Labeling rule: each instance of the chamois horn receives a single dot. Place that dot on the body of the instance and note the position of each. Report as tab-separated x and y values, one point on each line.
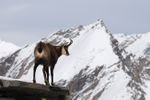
66	44
71	41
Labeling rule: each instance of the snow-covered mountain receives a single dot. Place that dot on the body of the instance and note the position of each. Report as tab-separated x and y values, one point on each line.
7	48
101	66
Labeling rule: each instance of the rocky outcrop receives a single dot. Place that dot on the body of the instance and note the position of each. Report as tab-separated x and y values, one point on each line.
17	90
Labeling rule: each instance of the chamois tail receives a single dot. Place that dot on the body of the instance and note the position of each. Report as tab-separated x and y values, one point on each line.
39	51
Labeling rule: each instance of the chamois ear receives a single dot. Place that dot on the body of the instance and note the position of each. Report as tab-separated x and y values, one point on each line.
65	44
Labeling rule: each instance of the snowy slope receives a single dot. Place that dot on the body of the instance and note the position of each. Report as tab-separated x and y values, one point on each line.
92	48
7	48
101	66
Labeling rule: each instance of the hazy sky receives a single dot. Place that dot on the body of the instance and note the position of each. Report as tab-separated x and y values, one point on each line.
26	21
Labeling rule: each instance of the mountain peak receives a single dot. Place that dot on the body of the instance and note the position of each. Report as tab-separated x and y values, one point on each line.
7	48
99	24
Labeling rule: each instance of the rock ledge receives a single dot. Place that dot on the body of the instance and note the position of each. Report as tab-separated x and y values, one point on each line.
18	90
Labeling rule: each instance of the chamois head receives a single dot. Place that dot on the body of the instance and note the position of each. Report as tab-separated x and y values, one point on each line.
64	49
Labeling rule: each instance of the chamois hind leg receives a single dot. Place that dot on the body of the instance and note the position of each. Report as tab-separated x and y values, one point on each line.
45	77
47	71
52	80
34	72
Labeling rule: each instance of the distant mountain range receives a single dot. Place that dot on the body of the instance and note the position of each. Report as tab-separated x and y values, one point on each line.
101	65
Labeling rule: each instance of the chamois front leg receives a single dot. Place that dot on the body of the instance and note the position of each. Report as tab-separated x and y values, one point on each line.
34	72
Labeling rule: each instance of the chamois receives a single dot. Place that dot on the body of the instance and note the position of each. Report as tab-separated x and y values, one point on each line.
47	55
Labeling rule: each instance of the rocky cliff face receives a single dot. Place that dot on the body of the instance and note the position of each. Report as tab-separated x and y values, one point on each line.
101	66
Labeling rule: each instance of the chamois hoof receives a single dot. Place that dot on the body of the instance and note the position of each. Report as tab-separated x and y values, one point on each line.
52	84
47	84
34	81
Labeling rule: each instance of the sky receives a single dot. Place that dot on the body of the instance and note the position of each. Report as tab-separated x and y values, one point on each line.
26	21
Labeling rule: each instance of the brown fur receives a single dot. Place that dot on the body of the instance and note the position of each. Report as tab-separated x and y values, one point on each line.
47	55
